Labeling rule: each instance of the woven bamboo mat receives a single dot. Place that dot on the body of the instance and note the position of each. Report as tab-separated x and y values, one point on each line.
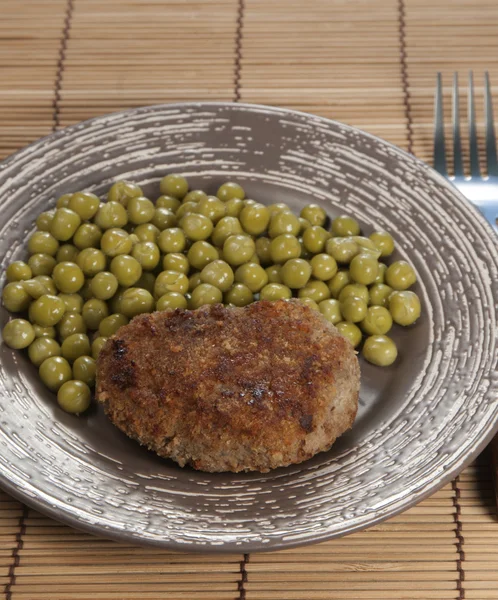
368	63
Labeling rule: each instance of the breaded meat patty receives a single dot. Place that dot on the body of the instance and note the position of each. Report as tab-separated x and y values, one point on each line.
231	389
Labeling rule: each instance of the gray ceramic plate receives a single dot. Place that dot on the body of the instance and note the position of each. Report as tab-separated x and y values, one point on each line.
420	421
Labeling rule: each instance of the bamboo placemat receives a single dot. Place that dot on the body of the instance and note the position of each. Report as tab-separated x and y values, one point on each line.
370	64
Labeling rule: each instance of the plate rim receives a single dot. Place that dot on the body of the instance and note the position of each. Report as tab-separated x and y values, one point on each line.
125	536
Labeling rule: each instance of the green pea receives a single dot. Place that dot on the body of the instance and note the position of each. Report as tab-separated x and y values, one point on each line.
203	294
74	397
357	290
338	282
316	290
43	242
363	269
353	309
42	348
195	196
171	300
275	291
91	261
343	250
164	219
147	281
86	292
74	346
273	272
47	311
314	214
140	210
196	227
122	191
309	303
109	325
380	350
351	332
344	226
37	286
219	274
230	190
175	261
200	254
331	310
63	201
400	275
126	269
172	240
263	250
97	346
67	253
64	224
44	220
170	281
193	281
404	307
104	285
185	209
211	207
68	277
136	301
276	208
94	311
18	334
239	295
115	242
147	232
54	372
233	207
172	204
174	185
383	241
381	275
111	215
41	264
255	219
85	369
366	246
225	227
238	249
323	267
70	324
15	297
252	275
84	204
88	235
304	224
284	247
18	271
315	238
147	254
48	332
377	321
379	294
295	273
283	222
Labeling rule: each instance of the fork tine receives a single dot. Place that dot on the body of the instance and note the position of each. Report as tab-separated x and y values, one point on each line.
439	146
474	152
457	138
490	130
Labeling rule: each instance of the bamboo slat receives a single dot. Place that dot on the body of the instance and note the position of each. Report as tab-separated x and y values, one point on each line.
370	64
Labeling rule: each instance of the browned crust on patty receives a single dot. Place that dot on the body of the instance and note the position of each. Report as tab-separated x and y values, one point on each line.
231	389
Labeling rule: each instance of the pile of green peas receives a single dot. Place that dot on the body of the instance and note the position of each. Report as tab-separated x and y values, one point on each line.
93	266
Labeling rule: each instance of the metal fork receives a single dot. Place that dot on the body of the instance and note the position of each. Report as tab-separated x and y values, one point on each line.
481	191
